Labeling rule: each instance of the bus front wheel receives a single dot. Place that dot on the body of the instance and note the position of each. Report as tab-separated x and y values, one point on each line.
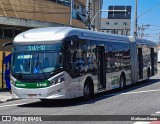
88	91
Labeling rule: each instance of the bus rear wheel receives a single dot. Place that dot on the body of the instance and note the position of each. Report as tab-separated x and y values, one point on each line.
88	91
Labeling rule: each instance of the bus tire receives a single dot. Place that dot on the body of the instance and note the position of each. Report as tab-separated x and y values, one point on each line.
122	82
88	91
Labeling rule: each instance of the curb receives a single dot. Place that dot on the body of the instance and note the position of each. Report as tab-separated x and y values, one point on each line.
7	100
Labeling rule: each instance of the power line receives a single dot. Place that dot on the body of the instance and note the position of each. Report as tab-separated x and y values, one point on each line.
153	29
155	25
149	10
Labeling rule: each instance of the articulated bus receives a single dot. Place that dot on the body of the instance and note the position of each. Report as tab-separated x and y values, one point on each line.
65	62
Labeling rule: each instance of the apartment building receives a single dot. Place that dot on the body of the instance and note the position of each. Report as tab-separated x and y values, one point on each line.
118	22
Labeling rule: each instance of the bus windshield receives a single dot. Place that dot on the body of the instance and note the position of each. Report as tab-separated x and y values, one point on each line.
36	62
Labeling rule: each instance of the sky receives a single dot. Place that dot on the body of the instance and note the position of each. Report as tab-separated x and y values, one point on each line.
148	13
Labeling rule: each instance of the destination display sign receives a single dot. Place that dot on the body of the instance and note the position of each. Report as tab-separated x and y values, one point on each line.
37	47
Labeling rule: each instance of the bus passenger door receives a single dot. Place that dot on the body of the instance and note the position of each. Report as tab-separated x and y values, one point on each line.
152	61
140	61
101	67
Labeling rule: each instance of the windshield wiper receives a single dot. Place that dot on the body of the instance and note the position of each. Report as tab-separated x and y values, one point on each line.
36	69
37	61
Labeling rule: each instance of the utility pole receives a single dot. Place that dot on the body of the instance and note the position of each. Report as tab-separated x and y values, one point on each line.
89	15
71	9
135	19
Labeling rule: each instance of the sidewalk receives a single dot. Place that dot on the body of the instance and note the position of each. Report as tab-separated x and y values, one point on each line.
5	95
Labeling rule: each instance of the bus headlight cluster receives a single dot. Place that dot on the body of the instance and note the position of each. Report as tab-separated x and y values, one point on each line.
12	80
57	80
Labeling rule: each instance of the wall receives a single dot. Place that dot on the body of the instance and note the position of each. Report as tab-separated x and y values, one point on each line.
41	10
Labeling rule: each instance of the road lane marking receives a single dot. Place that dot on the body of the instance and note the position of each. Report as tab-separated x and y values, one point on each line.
144	91
158	112
128	93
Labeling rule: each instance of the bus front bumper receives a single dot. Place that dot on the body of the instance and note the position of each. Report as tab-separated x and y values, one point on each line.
52	92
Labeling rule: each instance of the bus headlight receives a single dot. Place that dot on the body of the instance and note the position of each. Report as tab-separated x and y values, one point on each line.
12	80
57	80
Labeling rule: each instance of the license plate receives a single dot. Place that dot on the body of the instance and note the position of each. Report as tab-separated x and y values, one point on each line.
32	95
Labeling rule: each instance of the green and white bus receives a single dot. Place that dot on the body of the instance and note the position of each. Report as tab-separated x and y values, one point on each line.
65	62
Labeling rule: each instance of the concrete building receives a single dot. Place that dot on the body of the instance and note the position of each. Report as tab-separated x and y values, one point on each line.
117	22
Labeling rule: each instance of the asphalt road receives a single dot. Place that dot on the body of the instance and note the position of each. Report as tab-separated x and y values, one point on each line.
140	99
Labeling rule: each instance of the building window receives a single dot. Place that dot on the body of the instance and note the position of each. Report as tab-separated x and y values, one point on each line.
124	23
121	32
16	32
126	33
115	23
8	33
1	33
78	8
64	2
113	31
107	23
78	11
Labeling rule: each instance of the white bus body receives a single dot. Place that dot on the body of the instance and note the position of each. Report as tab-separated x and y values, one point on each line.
81	62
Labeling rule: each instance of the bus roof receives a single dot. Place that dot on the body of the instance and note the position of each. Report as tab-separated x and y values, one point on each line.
59	33
141	41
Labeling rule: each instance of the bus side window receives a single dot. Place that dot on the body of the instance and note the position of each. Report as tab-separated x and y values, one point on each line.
118	56
70	55
110	58
126	57
79	56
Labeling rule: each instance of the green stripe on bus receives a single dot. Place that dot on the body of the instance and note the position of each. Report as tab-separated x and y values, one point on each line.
32	85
